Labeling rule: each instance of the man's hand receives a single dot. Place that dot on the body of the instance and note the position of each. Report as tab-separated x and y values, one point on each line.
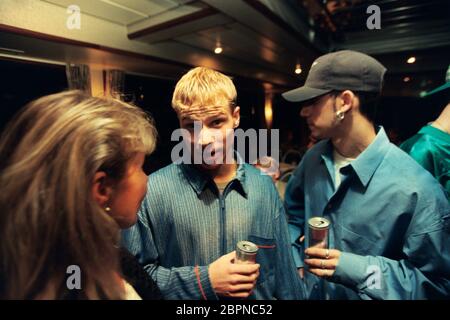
322	262
233	280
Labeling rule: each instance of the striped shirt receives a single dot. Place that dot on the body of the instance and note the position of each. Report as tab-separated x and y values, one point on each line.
185	224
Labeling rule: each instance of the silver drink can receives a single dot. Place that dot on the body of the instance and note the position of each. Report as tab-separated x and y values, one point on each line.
246	252
318	228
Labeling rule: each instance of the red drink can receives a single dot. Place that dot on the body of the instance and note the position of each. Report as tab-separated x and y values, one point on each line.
318	230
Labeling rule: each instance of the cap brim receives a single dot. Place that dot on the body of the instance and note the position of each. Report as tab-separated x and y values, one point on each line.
303	93
438	89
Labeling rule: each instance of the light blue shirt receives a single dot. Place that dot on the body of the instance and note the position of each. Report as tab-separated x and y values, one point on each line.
389	217
185	224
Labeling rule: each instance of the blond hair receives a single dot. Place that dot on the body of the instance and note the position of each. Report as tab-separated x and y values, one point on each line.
202	87
49	220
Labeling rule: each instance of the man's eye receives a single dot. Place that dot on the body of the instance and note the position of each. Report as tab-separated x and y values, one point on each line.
217	122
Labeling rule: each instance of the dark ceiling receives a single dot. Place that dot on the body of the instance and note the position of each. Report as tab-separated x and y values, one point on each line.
409	28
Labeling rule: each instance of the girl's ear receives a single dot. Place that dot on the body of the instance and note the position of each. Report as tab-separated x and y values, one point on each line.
101	192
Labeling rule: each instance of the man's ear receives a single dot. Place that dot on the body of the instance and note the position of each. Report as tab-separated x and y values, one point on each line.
236	116
346	101
100	190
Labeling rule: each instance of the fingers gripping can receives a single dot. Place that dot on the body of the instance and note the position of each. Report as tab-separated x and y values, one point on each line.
246	252
318	228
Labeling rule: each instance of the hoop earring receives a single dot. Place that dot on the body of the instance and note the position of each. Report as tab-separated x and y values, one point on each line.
340	115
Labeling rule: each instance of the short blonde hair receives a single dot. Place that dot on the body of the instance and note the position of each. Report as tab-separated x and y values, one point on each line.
49	219
202	87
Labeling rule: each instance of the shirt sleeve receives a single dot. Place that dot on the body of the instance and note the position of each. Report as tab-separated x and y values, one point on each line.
186	282
289	286
294	201
422	273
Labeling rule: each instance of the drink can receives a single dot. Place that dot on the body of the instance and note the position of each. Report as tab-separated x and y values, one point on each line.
318	228
246	252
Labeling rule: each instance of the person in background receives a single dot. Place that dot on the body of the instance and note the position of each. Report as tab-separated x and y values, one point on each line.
430	147
70	178
269	166
389	218
195	212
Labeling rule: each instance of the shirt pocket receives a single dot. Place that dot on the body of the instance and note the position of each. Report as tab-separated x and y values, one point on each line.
266	258
357	244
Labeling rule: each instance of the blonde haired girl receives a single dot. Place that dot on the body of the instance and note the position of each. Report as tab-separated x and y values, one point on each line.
70	177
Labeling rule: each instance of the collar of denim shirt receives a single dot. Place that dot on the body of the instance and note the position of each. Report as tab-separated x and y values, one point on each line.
199	180
367	162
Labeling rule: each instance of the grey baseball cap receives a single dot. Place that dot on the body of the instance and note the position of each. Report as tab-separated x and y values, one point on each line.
341	70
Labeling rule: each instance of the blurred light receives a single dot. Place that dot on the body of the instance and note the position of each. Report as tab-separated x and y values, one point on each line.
298	69
422	94
411	60
218	49
268	112
406	79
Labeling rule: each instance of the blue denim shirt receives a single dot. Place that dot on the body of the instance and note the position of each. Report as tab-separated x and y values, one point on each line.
185	224
389	217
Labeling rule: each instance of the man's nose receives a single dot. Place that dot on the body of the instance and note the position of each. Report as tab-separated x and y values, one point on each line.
205	137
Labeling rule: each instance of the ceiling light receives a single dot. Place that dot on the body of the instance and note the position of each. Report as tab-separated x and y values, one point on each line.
298	69
406	79
218	49
411	60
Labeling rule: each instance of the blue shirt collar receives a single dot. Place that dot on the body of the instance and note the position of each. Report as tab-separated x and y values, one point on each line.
368	161
199	179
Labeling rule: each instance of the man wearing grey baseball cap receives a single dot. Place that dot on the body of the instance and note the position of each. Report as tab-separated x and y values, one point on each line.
389	218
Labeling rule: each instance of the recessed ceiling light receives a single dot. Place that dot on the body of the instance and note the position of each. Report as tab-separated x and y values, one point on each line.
218	49
298	69
411	60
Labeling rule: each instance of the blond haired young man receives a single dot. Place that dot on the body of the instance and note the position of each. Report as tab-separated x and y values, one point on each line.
194	214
